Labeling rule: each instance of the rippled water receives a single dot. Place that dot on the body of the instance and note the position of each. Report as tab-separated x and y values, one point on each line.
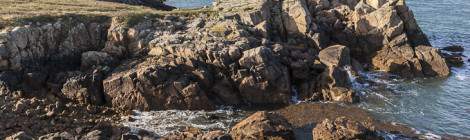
440	106
189	3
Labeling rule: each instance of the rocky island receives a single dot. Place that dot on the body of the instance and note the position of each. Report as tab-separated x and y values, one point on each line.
76	76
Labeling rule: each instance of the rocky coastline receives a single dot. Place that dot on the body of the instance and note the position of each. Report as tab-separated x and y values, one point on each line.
71	78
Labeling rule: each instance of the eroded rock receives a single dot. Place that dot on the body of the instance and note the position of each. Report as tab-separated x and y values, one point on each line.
263	125
263	80
342	128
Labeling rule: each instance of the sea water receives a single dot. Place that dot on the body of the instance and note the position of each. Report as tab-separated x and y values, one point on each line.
439	106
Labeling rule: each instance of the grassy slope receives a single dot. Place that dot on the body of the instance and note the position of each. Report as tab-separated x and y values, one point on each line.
12	11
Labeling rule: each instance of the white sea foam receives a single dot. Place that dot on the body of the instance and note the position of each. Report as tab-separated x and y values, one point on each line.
295	96
431	136
461	77
164	122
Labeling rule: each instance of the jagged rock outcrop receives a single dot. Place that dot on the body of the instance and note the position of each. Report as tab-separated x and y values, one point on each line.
248	53
393	31
263	125
432	62
342	128
54	44
263	79
150	86
336	82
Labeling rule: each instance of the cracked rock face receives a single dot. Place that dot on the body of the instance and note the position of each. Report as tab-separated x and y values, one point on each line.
250	53
263	125
342	128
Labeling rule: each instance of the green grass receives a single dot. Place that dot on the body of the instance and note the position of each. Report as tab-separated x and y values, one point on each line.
15	12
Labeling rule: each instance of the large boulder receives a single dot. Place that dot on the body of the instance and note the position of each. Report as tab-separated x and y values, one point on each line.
342	128
296	17
398	60
95	58
263	125
408	62
148	86
335	56
262	78
432	62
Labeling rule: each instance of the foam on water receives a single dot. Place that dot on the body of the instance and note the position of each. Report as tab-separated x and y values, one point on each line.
164	122
461	77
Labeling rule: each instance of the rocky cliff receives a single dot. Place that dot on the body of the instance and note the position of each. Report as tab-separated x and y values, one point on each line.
245	53
242	53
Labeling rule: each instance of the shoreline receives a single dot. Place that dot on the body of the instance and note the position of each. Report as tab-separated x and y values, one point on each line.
254	55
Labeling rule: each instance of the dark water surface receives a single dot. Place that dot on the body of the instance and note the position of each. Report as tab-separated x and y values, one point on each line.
439	106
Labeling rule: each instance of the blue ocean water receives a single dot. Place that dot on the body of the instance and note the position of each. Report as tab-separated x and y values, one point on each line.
439	106
189	3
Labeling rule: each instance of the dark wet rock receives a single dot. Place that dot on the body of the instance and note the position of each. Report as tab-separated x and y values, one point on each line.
454	48
454	59
157	4
263	125
342	128
35	80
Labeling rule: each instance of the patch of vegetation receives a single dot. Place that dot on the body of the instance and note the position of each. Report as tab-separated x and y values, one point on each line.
68	18
23	12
